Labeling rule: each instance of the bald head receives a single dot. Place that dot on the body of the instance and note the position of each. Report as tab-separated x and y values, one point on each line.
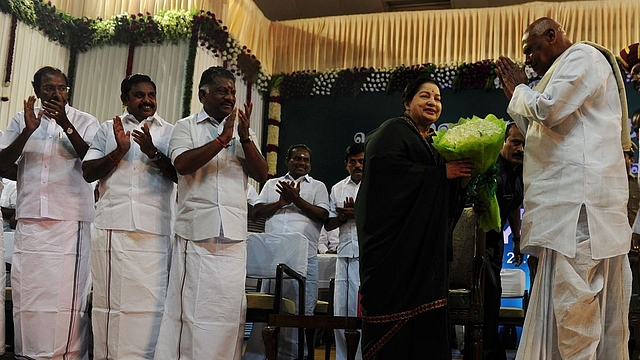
542	43
540	26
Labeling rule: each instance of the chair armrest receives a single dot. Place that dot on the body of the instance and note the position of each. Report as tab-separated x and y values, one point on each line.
282	269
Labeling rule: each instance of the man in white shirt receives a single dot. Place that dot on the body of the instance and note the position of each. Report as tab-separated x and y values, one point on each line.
341	216
213	153
296	202
575	197
131	244
50	273
8	205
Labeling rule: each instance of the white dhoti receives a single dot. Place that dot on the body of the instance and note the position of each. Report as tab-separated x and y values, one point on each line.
205	308
579	306
50	279
130	272
345	299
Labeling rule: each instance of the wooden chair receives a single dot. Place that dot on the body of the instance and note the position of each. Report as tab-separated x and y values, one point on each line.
279	257
467	281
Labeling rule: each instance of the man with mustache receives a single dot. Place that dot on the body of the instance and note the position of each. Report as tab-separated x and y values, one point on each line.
509	193
50	274
341	215
132	241
295	202
214	154
576	128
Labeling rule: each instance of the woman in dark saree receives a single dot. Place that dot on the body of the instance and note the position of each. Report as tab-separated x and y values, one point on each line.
407	205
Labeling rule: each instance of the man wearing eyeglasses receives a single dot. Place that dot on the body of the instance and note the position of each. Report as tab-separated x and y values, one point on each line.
42	148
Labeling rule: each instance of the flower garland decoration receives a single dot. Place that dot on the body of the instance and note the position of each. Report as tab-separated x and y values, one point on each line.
273	129
478	75
11	51
81	34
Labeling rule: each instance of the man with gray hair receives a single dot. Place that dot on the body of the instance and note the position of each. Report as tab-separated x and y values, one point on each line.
575	220
213	153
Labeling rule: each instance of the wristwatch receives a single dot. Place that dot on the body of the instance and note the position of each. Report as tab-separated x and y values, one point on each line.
157	156
69	130
247	140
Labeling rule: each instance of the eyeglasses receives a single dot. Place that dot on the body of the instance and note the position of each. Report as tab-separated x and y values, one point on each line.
52	88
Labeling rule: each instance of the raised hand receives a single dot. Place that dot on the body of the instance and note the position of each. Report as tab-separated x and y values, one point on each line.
54	109
144	140
31	120
123	139
288	191
510	75
244	119
229	124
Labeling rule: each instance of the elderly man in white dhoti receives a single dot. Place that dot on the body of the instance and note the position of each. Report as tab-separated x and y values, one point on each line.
575	181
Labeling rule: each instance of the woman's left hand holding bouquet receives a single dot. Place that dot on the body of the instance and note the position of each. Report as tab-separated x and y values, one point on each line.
462	168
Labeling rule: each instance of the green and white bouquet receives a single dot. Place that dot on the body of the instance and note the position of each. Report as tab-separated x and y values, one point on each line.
480	140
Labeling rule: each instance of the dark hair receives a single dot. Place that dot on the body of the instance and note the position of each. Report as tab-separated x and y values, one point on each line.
510	124
297	146
412	88
353	149
215	72
127	84
45	71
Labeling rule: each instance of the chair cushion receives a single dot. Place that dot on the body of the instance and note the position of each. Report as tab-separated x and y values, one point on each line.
322	308
265	302
459	298
511	312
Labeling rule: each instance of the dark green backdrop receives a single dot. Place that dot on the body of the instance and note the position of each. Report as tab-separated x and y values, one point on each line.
328	125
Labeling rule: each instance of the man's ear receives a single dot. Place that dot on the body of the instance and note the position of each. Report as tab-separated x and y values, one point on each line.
550	34
124	99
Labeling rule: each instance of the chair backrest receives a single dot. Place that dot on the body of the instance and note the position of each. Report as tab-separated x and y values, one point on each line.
265	251
513	283
464	250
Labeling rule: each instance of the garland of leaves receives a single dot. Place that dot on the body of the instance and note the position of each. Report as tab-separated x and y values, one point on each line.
11	52
82	34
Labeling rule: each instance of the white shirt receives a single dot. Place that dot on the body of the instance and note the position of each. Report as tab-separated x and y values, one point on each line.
348	246
328	240
136	195
9	194
212	201
574	156
290	218
252	195
50	183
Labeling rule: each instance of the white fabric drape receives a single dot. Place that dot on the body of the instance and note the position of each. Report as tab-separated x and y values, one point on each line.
97	84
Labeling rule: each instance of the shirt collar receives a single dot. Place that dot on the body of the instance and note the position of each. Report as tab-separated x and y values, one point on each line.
349	181
305	178
202	116
130	118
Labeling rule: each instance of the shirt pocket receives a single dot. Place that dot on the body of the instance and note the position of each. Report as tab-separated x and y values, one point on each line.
64	147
